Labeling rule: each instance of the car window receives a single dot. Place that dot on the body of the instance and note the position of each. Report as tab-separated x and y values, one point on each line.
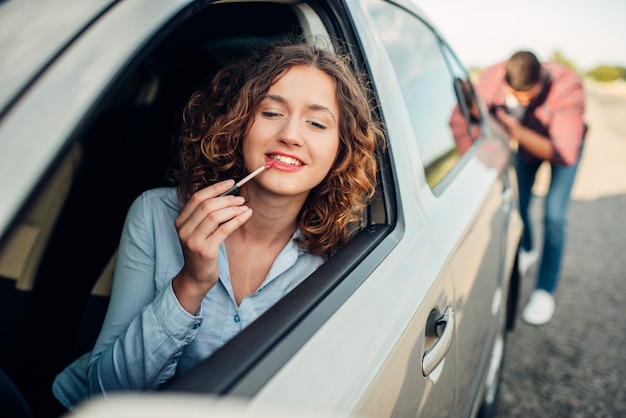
470	129
428	87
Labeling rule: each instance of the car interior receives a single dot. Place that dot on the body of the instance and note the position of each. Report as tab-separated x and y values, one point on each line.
56	264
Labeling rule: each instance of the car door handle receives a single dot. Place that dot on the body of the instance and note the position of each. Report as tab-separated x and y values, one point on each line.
444	329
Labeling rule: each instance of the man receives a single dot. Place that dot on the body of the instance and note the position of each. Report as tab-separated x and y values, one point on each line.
541	105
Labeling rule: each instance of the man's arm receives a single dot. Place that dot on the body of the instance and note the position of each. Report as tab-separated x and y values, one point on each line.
536	144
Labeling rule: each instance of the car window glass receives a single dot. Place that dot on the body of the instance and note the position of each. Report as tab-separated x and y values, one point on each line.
467	101
427	85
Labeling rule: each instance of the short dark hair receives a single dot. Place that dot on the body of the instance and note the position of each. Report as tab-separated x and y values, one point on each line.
523	71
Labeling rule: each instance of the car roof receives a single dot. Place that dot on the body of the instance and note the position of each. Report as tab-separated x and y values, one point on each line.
32	33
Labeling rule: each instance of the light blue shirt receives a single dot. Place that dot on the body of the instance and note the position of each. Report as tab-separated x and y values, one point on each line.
147	337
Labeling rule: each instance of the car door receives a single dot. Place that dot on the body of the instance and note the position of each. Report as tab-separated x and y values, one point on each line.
469	195
376	356
353	338
482	258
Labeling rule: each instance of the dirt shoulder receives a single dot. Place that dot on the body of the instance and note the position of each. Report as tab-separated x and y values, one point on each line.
614	88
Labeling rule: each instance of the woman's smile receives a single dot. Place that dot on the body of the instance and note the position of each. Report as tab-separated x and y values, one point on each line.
284	162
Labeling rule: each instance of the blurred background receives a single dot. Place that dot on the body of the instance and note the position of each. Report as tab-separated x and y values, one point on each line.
589	36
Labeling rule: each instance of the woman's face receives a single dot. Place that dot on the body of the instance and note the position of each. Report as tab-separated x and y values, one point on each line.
296	125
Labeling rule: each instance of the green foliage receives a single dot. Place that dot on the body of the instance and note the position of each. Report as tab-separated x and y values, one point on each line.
559	58
602	73
606	73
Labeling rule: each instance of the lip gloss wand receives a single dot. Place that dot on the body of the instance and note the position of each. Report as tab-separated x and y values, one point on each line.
246	179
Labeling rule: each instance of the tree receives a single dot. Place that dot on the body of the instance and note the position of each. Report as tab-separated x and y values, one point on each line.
607	73
559	58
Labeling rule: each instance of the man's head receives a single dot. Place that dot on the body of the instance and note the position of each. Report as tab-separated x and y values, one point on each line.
523	76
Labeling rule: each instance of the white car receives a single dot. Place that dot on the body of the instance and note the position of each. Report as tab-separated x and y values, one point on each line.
410	319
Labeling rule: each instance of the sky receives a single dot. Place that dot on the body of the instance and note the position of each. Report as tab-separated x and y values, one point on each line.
481	32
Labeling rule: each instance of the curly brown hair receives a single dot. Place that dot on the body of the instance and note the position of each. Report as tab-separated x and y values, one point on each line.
216	118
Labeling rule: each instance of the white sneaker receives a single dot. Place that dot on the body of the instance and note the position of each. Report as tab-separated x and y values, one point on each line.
540	308
526	260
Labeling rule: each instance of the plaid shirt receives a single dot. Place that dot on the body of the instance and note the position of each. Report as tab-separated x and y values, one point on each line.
556	113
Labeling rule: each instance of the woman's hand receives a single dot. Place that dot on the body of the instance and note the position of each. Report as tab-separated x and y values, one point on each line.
203	224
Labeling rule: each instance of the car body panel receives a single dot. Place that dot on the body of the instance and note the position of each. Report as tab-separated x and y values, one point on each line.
76	81
30	38
353	343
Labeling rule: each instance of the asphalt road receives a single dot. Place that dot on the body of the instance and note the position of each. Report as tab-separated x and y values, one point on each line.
575	366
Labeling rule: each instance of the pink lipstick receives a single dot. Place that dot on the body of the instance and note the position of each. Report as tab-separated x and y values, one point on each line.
247	178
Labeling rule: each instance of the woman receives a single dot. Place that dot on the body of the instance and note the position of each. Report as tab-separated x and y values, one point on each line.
196	266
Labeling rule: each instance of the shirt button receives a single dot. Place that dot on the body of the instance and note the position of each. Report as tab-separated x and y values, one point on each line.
196	325
236	318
